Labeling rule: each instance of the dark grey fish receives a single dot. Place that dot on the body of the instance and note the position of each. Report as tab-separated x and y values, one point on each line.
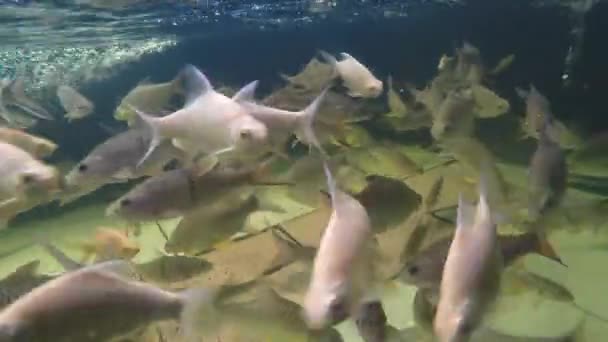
547	179
115	160
371	322
172	268
21	281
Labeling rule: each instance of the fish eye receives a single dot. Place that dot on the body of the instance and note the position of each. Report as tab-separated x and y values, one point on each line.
27	179
82	167
125	202
338	311
413	270
246	135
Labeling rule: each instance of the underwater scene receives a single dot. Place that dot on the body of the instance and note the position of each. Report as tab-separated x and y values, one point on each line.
305	170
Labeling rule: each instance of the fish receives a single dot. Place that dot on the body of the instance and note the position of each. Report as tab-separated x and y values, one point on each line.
150	98
469	66
14	95
503	64
454	117
341	275
383	159
552	290
176	192
487	103
547	175
172	268
40	315
37	146
21	281
388	201
372	323
75	104
314	77
115	161
472	273
209	123
397	108
355	76
23	178
206	226
109	244
425	269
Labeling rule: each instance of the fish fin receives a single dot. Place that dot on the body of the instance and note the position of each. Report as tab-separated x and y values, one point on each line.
247	93
465	213
262	174
65	261
432	195
25	271
154	125
345	55
195	302
286	250
305	130
195	83
328	57
483	207
285	77
331	185
543	247
521	92
205	164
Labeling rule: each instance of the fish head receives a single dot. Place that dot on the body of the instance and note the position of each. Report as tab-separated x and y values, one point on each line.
324	307
453	327
249	134
39	179
374	88
422	271
129	251
138	206
91	170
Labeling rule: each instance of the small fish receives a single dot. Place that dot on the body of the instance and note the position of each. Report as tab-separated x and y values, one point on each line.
21	281
315	76
425	269
396	105
115	160
179	191
537	106
15	96
503	64
206	226
547	176
341	274
75	104
150	98
172	268
471	277
388	201
209	123
454	117
109	244
22	177
469	66
119	307
371	322
487	103
37	146
356	77
552	290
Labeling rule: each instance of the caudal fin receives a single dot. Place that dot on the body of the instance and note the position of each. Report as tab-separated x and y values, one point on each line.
196	303
154	125
305	130
544	248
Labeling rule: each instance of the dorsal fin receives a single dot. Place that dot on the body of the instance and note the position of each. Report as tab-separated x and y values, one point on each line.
195	83
246	94
466	214
24	271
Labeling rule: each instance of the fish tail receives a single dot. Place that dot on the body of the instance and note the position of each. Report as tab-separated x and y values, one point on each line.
154	125
543	247
329	58
305	127
195	303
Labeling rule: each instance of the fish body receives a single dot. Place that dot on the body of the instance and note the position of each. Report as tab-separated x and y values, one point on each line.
20	282
116	159
209	123
547	176
454	117
341	274
471	277
109	244
172	268
90	305
14	95
38	147
425	269
150	98
75	104
356	77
